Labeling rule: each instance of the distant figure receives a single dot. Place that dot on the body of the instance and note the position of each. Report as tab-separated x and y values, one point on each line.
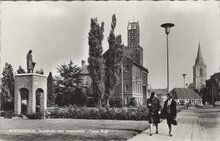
169	110
153	104
30	63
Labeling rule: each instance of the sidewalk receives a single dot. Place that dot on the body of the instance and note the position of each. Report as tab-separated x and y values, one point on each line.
188	129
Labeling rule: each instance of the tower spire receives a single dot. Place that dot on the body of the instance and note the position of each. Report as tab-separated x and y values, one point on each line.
199	58
199	54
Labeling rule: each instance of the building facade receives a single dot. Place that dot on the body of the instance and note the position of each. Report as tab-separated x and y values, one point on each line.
199	71
85	79
133	75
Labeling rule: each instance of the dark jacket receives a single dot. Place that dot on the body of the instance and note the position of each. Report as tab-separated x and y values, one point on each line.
172	106
155	105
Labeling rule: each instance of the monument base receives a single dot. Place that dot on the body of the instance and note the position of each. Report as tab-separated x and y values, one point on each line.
32	88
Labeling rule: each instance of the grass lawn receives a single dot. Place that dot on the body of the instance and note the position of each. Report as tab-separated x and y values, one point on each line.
69	129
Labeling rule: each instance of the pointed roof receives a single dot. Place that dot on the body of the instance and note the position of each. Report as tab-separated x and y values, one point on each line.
184	93
199	58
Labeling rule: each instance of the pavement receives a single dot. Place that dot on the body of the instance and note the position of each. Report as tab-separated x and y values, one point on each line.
190	128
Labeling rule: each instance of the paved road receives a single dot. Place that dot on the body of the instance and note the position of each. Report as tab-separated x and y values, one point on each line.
201	124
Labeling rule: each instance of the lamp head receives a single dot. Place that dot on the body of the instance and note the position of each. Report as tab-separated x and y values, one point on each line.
184	75
167	27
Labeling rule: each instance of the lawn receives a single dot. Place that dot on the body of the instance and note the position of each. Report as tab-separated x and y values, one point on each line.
69	129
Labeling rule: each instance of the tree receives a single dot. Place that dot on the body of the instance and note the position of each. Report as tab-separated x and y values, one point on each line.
66	83
20	70
204	94
81	99
213	88
132	102
95	60
7	93
115	102
113	61
50	90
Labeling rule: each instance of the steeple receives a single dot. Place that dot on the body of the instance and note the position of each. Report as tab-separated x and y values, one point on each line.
199	58
199	71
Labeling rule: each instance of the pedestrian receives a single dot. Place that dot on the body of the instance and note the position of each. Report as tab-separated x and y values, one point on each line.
153	104
169	111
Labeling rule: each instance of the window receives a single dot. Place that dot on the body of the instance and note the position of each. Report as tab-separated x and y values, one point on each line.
133	86
200	73
126	68
136	85
126	87
126	102
119	71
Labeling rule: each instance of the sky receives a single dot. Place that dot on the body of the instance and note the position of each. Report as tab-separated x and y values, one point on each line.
57	32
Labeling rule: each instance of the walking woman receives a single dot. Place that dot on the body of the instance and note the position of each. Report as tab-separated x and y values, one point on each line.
169	110
153	104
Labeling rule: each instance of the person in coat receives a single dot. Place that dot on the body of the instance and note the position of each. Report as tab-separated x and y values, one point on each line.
30	63
170	112
153	104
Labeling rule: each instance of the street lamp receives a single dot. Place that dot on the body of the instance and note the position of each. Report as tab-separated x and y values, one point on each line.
184	76
167	27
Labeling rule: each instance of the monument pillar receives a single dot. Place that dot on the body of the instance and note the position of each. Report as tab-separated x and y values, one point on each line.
17	102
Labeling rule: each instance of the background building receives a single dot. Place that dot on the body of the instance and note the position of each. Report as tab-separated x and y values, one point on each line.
199	71
186	95
85	78
133	76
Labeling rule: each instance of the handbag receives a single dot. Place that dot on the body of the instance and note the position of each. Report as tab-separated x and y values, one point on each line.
174	122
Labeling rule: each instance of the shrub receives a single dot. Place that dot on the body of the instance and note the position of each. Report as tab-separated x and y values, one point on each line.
8	106
37	115
115	102
74	112
132	102
7	114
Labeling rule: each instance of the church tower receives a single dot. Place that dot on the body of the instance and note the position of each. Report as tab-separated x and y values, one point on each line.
199	71
134	50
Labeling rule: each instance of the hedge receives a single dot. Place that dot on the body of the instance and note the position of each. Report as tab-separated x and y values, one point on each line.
140	113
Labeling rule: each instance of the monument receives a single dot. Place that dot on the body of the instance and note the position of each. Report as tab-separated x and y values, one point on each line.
30	63
30	91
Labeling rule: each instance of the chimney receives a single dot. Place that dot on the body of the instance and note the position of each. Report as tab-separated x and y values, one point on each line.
83	63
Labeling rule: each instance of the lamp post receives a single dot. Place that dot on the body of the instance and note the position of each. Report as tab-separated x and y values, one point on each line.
184	76
122	84
167	27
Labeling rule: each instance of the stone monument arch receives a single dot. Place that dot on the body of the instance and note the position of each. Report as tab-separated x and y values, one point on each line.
34	84
30	92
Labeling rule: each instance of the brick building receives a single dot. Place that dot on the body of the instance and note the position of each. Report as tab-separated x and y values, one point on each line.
134	77
134	74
